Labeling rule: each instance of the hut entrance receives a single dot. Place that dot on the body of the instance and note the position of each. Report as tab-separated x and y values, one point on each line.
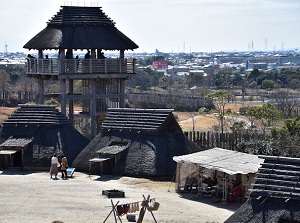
17	159
105	164
13	150
11	158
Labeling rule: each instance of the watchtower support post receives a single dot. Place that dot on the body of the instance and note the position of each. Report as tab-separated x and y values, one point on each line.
63	96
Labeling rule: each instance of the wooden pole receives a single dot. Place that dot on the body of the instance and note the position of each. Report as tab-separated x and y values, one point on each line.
63	102
147	205
112	210
143	210
71	101
93	109
41	90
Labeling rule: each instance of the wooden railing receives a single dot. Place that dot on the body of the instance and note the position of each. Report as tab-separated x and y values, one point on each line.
81	66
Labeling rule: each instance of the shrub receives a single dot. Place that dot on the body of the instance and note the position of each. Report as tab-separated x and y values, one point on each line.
52	102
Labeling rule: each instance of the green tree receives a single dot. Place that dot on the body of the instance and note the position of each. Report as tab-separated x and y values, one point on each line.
287	139
255	73
267	84
292	126
266	115
194	79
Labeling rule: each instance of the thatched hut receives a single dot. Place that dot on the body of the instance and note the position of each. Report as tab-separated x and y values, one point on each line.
33	133
275	197
136	142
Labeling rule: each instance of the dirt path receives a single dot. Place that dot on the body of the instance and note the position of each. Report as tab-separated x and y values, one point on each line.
34	197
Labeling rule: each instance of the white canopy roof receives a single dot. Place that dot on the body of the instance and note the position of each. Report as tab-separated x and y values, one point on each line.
227	161
7	152
99	159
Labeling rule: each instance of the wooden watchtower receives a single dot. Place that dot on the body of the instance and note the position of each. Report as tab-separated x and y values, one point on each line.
102	79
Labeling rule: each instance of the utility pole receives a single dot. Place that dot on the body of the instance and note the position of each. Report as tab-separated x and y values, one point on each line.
5	49
266	44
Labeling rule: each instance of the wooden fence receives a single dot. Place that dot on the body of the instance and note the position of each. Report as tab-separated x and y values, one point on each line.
208	140
168	100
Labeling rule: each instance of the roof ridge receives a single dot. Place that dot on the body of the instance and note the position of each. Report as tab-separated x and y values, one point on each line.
69	15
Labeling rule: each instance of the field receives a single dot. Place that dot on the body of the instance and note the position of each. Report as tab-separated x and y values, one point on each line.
207	122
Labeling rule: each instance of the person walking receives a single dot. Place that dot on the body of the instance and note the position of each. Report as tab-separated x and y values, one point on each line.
54	166
64	167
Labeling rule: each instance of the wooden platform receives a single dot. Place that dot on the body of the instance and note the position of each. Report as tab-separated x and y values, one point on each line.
113	193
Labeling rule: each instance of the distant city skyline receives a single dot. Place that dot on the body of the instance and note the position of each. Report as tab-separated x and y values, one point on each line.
170	25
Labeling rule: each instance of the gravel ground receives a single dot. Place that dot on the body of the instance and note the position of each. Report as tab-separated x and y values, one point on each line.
28	196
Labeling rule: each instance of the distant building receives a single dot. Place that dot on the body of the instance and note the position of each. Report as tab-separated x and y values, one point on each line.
259	65
157	65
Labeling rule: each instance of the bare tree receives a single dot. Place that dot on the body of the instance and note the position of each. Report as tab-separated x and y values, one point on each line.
220	99
26	85
4	82
287	102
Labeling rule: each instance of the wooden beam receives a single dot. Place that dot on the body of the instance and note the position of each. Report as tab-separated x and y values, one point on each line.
63	97
94	76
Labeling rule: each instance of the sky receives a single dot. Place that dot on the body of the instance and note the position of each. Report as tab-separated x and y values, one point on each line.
170	25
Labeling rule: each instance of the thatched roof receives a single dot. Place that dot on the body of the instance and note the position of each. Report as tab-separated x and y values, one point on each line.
128	119
146	151
267	210
227	161
16	142
111	150
49	132
275	195
36	115
80	28
278	177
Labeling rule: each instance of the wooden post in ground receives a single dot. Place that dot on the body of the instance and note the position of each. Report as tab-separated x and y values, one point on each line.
143	210
113	210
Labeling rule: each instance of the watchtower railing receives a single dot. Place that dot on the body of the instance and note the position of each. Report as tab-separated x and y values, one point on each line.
81	66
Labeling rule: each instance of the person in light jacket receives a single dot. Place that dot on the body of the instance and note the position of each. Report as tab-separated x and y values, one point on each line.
54	166
64	167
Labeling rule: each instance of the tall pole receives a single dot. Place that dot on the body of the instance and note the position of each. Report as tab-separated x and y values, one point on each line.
122	93
71	101
63	97
41	90
93	109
